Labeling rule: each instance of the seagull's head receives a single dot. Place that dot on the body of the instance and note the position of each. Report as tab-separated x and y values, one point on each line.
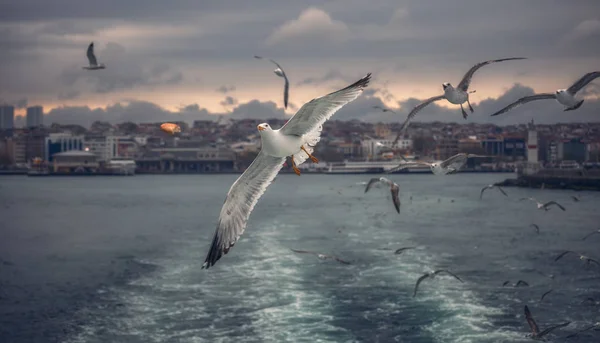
446	85
263	127
278	72
561	91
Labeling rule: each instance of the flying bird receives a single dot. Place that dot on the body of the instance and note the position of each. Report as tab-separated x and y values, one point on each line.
535	227
92	59
401	250
535	331
588	260
588	235
491	186
394	189
565	97
170	128
544	295
432	275
449	166
383	109
279	72
595	327
521	283
296	138
320	256
458	95
575	198
544	206
505	283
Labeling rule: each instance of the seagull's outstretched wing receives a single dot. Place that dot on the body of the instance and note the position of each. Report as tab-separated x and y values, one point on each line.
401	250
501	190
552	328
590	234
303	252
371	183
90	55
456	161
407	165
395	191
483	190
525	100
419	280
466	81
590	260
536	227
532	324
241	199
583	81
286	88
449	273
314	113
550	203
417	108
340	260
544	295
563	254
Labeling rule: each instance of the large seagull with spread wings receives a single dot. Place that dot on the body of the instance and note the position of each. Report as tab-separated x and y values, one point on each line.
297	139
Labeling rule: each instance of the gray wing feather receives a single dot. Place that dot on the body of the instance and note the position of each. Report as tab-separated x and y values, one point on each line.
90	55
314	113
552	328
419	280
417	108
501	190
583	81
395	191
525	100
286	88
371	183
483	190
549	203
456	161
532	324
448	272
407	165
561	255
466	81
241	199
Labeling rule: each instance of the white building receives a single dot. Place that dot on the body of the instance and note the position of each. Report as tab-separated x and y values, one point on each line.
7	117
35	116
373	146
107	148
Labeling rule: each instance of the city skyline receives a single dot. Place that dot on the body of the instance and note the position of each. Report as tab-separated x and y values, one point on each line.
199	56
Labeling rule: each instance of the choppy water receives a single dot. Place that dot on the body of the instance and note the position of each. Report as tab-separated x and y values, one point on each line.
117	259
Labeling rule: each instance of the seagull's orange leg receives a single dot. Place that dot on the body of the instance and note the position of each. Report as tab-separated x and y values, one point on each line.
296	170
312	158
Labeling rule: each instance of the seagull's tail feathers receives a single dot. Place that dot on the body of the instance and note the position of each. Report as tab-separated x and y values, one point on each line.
311	139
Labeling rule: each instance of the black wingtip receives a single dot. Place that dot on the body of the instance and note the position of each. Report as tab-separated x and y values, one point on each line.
217	250
362	83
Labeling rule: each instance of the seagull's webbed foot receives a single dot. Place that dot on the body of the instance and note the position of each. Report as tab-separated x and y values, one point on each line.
470	107
312	158
465	115
296	170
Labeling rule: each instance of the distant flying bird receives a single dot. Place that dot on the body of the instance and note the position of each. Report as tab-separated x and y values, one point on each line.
92	59
535	227
394	189
544	295
565	97
588	235
505	283
595	327
449	166
401	250
170	128
575	198
320	256
535	331
383	109
588	260
279	72
521	283
544	206
432	275
491	186
458	95
296	138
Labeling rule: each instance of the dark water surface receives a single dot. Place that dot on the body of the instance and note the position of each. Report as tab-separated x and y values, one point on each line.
117	259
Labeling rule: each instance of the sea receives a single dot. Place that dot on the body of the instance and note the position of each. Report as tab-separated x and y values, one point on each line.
118	259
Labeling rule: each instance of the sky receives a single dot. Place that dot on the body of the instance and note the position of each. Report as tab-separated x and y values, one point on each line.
189	59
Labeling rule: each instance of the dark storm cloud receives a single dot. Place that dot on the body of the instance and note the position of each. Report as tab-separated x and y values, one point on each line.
21	103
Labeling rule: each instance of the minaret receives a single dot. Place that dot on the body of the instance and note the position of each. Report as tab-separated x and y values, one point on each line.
532	143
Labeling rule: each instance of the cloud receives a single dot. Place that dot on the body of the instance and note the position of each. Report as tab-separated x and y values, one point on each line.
585	29
259	110
225	89
229	101
21	103
313	24
329	76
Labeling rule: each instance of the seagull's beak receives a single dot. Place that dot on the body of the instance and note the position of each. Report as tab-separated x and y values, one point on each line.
260	128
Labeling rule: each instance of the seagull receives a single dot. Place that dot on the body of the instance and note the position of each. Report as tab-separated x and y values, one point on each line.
303	129
588	260
597	325
545	206
458	95
383	109
535	331
279	72
401	250
170	128
536	227
491	186
92	59
575	198
320	256
588	235
432	274
544	295
449	166
394	189
565	97
521	283
505	283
